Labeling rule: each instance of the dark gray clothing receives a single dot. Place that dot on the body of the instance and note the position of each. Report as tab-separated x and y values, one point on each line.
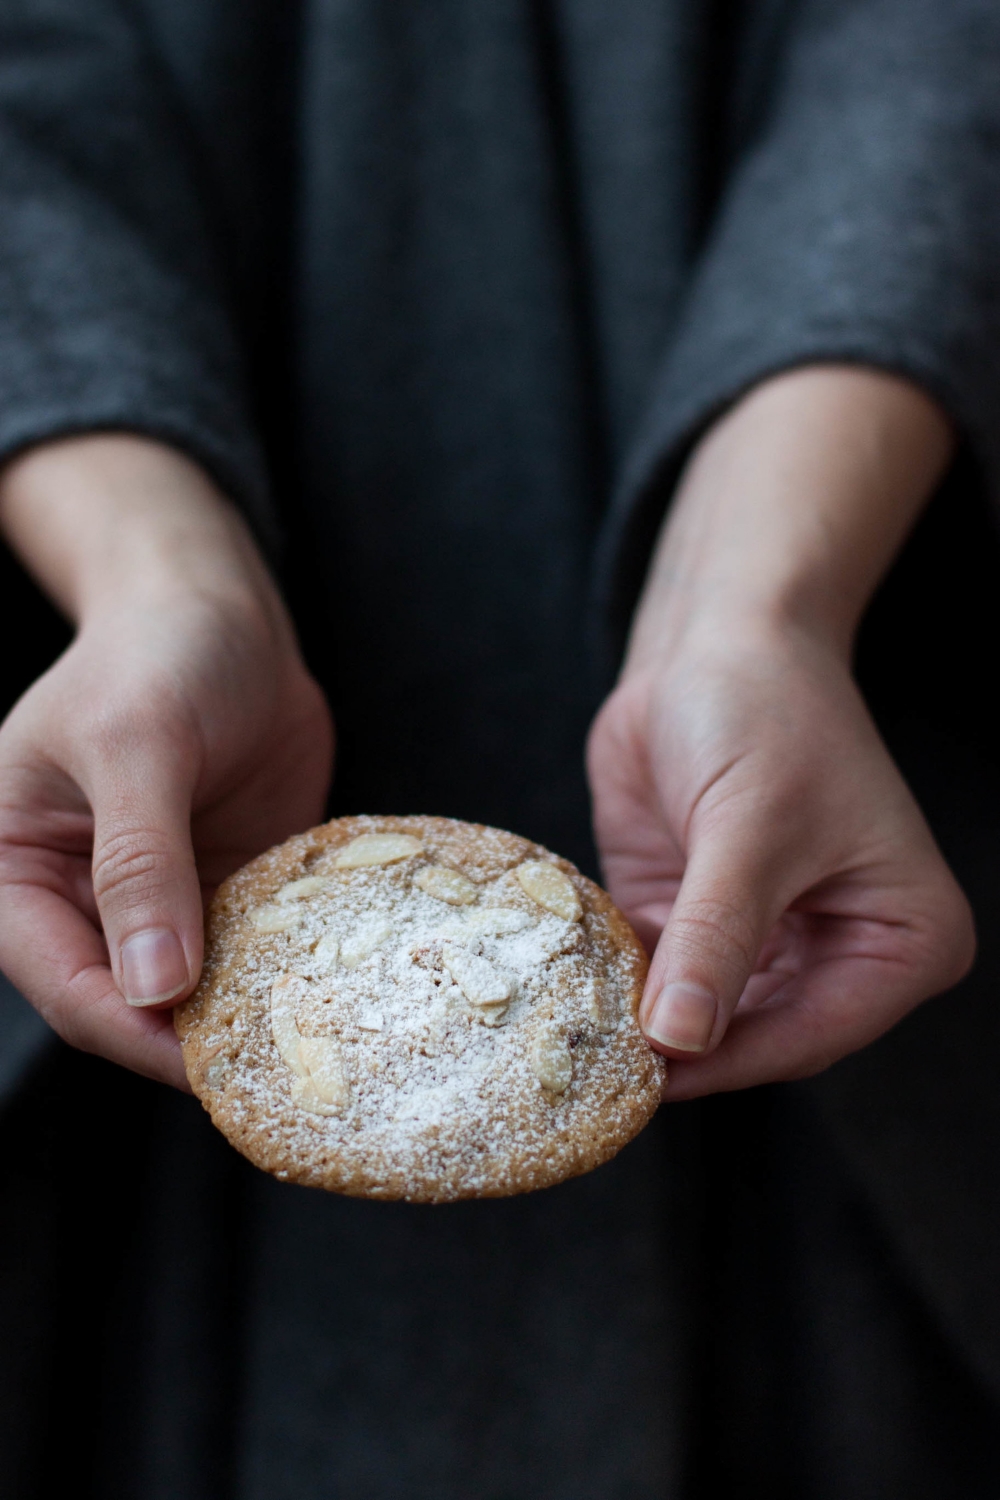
442	294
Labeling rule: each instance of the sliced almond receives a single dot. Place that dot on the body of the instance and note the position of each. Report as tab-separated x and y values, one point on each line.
567	937
371	1020
327	950
377	849
492	1015
321	1083
309	885
272	918
445	884
364	941
217	1072
481	982
602	1007
327	1074
547	885
551	1060
487	921
306	1095
286	995
216	1065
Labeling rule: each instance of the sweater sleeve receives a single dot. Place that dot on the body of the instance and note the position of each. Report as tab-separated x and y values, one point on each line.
112	313
860	222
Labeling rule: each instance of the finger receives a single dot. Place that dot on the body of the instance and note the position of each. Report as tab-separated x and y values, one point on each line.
58	960
725	909
815	1019
145	878
841	1000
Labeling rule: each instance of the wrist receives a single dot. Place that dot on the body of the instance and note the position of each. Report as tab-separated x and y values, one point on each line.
109	522
791	509
712	611
692	655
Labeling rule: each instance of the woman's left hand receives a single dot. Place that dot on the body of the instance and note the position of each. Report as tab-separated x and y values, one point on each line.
751	822
754	828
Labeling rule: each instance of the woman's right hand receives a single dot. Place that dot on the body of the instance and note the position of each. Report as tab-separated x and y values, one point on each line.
178	736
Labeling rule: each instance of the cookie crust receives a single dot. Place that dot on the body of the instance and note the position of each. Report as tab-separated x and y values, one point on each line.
418	1008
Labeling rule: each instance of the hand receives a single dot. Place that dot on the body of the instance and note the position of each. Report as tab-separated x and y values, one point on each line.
178	736
748	812
751	822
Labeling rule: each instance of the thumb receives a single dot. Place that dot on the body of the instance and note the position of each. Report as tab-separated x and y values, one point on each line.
145	879
726	906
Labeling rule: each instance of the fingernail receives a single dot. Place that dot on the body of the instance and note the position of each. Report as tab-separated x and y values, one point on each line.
682	1016
153	966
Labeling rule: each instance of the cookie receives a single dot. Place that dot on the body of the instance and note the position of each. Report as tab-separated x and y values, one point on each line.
419	1008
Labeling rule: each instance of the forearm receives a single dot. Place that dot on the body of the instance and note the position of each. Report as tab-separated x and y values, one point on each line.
99	520
792	507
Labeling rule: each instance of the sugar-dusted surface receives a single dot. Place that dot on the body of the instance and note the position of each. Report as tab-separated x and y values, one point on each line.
487	1045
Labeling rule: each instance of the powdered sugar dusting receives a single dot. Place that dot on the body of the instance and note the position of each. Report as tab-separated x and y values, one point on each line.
485	1046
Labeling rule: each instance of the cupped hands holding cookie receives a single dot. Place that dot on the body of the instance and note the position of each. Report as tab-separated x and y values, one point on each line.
751	823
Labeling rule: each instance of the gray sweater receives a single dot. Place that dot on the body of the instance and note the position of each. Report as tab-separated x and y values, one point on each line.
442	294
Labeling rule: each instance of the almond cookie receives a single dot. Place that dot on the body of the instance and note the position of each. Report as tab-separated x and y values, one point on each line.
419	1008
